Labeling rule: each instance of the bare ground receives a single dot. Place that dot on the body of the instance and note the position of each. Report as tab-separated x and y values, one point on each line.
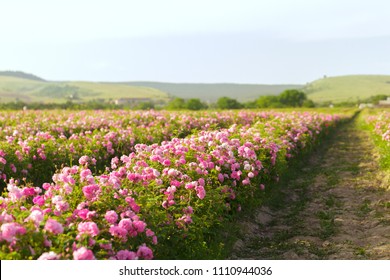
337	207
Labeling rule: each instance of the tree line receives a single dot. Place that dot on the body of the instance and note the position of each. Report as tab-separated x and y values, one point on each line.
287	99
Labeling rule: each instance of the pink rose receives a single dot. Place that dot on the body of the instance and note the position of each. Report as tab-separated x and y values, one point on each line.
221	178
83	160
111	216
91	191
144	252
126	255
119	232
53	226
139	226
28	191
39	200
83	254
127	224
200	192
36	217
89	228
10	230
48	256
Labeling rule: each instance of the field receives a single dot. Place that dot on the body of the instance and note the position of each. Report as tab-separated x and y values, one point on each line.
331	89
332	205
347	88
166	185
33	90
28	90
211	92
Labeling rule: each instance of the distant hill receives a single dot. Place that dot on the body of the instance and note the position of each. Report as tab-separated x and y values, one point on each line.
347	88
22	75
32	90
211	92
16	85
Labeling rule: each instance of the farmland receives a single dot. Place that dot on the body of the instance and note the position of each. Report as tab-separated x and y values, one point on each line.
350	88
332	205
139	184
28	90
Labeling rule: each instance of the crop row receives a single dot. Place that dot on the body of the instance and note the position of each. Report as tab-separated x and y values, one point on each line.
34	144
381	124
160	200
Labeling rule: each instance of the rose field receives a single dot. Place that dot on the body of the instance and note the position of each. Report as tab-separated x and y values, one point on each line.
378	122
125	185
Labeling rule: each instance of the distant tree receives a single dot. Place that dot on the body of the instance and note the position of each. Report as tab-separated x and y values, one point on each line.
228	103
250	104
375	98
288	98
292	98
268	101
176	104
195	104
145	105
308	103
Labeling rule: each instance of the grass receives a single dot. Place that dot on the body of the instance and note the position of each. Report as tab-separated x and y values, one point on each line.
333	89
26	90
332	201
365	208
382	146
211	92
361	252
281	244
107	90
347	88
328	227
278	199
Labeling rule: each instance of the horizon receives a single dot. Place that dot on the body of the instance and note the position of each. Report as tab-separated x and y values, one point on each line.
197	83
135	81
240	42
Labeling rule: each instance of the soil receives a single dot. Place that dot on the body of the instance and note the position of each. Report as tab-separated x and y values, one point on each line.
337	207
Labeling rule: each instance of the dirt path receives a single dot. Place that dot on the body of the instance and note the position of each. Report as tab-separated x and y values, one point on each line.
337	207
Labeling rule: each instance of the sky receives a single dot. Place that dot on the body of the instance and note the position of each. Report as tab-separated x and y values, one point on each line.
205	41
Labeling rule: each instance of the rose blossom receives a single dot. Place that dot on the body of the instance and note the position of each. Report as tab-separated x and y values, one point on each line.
89	228
126	255
10	230
53	226
117	231
91	191
111	216
139	226
48	256
36	216
83	160
39	200
200	192
145	252
83	254
127	224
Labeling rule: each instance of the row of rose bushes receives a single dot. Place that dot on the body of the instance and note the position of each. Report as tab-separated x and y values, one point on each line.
381	124
33	144
378	122
160	201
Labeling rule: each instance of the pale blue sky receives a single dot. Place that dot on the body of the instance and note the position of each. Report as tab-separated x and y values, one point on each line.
264	41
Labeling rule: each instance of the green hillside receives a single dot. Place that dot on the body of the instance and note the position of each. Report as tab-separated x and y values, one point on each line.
31	90
211	92
22	75
348	88
16	85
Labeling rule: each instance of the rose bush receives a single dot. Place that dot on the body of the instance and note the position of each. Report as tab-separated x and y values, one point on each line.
163	200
